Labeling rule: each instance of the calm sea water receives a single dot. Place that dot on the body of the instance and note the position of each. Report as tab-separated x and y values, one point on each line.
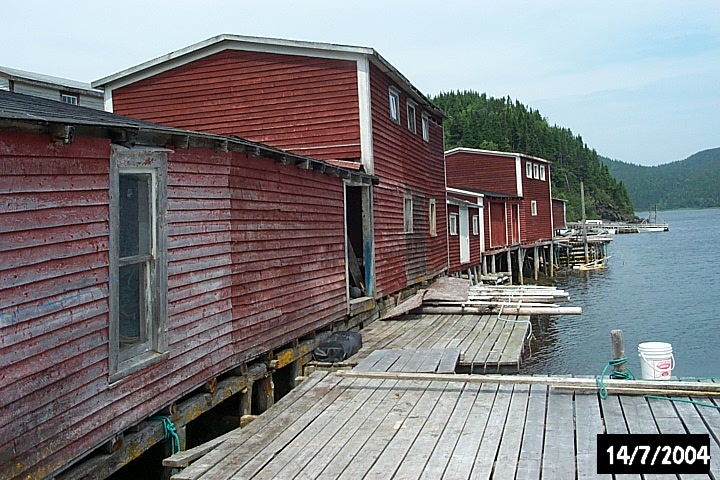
661	287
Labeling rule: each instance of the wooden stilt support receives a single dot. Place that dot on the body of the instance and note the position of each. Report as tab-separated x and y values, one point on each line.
536	262
552	259
521	262
509	266
618	349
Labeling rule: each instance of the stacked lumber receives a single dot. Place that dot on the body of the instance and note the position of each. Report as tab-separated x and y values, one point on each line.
504	299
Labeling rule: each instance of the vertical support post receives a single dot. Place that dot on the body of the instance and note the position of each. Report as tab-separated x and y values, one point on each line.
618	349
552	259
484	265
509	266
492	264
521	263
536	262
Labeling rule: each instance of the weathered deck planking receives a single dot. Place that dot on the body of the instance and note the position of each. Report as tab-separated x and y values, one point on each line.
354	427
488	344
411	361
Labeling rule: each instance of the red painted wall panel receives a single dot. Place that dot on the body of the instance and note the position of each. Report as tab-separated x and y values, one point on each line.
406	165
227	299
302	104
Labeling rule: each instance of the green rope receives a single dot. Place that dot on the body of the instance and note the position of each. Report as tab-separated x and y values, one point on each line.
700	404
170	432
626	375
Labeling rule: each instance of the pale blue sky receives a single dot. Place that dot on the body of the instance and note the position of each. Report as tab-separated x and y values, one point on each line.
639	80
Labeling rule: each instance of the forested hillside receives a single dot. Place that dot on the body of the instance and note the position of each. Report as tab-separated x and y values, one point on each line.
690	183
479	121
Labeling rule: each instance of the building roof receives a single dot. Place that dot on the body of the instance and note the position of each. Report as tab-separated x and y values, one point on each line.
261	44
26	113
49	81
460	201
493	152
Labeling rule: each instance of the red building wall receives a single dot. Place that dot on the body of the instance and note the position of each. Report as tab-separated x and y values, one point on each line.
226	214
536	227
302	104
558	214
406	164
482	171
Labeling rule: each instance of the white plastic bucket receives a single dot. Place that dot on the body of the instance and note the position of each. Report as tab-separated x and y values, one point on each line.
656	360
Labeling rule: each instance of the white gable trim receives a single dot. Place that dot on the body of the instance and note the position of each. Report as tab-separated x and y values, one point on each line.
519	175
364	103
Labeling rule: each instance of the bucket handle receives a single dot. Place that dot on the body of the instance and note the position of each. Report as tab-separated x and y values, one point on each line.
652	365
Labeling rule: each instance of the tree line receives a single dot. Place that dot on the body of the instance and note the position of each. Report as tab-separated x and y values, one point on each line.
690	183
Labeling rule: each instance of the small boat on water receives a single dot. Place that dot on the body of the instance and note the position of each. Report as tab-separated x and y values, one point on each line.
598	264
653	223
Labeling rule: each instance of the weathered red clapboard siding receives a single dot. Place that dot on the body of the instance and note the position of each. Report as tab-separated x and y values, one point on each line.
536	227
482	171
516	225
475	250
302	104
53	290
287	229
55	401
405	163
498	220
558	213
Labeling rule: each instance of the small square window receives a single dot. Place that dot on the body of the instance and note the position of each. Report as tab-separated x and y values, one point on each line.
542	172
69	98
536	171
476	225
408	215
528	169
432	220
533	207
394	106
412	122
425	127
453	223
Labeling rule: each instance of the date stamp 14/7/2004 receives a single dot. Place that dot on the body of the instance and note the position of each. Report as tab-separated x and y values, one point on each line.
659	453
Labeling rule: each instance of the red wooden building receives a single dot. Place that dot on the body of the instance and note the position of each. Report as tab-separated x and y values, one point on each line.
521	208
337	103
559	209
140	262
466	240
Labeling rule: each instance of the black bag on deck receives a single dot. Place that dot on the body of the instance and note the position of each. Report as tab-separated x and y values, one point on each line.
338	347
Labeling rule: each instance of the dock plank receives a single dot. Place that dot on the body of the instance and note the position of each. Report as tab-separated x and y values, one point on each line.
530	461
472	432
334	442
443	451
485	457
407	433
383	434
559	452
508	454
588	424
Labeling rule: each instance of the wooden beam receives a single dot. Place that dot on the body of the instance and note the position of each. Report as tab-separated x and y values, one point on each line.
641	387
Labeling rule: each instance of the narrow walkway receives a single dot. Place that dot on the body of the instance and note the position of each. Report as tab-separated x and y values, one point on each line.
487	344
355	428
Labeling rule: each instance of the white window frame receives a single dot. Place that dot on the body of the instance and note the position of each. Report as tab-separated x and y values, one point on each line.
528	169
394	98
542	172
536	171
425	119
533	208
411	108
70	98
432	217
408	214
476	224
453	224
124	361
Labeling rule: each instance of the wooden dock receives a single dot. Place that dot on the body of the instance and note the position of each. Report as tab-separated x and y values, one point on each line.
354	427
487	343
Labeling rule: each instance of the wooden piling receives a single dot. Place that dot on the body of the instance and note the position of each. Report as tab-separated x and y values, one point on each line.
618	349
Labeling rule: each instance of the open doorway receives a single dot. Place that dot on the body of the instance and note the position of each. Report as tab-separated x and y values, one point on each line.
359	241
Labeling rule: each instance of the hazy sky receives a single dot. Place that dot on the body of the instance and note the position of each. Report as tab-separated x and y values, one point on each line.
639	80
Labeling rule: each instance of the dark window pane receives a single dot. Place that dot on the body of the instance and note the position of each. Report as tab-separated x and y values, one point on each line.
132	305
135	229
